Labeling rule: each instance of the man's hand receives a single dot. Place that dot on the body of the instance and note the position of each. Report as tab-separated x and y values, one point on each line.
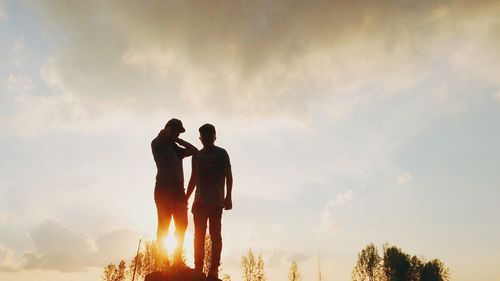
190	149
181	142
228	203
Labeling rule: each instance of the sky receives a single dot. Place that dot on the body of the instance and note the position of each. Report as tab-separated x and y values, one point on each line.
347	122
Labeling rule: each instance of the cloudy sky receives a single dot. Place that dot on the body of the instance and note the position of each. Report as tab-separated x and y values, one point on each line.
347	122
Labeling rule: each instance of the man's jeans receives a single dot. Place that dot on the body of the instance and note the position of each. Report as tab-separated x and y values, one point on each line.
212	214
167	208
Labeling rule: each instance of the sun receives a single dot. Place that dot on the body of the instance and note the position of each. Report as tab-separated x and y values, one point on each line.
170	242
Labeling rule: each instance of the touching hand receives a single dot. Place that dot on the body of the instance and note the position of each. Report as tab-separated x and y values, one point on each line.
228	203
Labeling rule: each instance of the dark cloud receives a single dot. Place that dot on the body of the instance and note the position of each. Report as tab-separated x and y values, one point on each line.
57	247
256	56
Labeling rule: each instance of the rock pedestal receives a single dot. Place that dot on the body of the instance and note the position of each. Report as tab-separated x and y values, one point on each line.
187	274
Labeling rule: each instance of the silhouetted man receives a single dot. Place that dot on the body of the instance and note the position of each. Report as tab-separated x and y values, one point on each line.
168	152
211	170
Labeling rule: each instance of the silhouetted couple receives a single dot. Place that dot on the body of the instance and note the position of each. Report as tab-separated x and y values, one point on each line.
211	171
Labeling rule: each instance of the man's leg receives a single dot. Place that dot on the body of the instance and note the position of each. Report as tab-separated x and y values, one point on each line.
200	229
215	219
181	221
164	211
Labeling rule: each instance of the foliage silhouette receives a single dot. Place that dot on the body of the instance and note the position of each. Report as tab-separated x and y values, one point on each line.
146	261
253	267
368	264
434	270
294	274
208	254
395	265
115	273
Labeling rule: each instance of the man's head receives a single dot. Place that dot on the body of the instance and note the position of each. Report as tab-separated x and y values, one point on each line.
173	128
207	134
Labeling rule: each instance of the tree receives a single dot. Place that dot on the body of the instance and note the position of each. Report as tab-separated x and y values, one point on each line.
151	260
260	274
109	272
294	274
146	261
137	265
368	264
121	271
226	277
115	273
253	268
415	267
396	265
434	270
248	265
319	268
208	254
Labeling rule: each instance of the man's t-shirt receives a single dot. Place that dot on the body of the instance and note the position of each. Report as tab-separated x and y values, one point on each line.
170	175
210	164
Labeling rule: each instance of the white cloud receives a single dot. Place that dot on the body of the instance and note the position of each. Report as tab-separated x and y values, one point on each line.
18	46
276	257
18	84
405	178
299	256
52	77
18	52
341	199
6	259
34	112
328	215
115	245
496	96
451	103
4	217
3	16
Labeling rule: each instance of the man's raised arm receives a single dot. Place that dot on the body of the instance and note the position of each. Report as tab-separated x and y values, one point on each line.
189	148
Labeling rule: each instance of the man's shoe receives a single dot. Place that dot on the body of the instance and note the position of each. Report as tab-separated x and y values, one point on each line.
165	264
180	265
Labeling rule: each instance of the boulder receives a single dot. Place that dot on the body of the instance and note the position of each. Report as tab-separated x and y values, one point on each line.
184	274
